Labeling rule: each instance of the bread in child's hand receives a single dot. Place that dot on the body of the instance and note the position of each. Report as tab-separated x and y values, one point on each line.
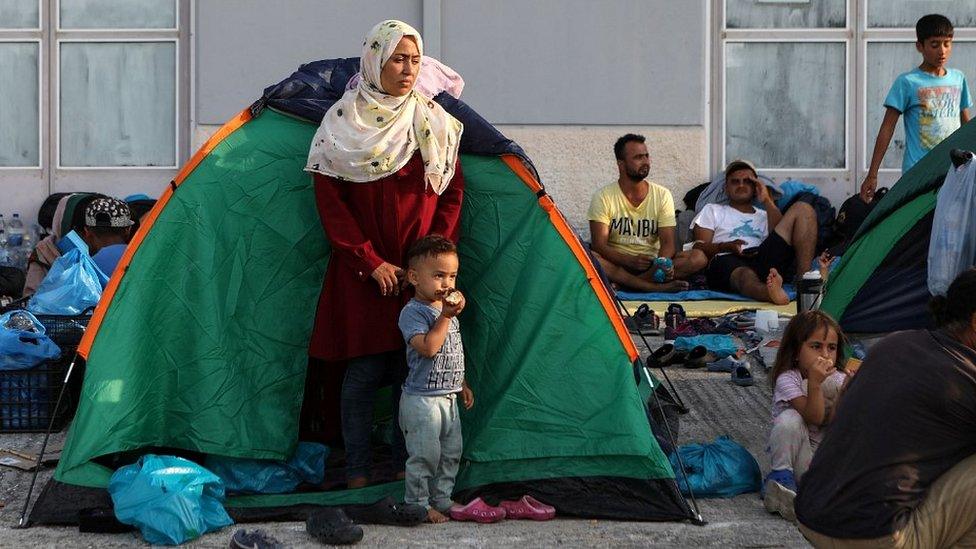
453	298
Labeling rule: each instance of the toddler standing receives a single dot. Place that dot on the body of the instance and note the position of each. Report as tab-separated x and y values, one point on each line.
435	358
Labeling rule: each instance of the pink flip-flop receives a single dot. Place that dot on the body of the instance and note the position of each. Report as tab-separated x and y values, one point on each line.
478	511
528	508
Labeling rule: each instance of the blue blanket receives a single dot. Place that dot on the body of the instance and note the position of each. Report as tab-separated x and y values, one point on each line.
691	295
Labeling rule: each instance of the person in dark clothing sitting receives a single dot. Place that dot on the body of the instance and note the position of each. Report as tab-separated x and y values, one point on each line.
897	468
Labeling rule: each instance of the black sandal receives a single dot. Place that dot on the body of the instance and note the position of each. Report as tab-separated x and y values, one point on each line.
331	526
696	357
387	511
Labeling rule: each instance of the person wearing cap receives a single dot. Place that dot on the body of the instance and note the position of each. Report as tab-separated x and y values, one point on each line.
108	222
632	226
751	249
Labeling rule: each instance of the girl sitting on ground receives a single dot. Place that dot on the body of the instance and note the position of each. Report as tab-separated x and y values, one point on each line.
807	378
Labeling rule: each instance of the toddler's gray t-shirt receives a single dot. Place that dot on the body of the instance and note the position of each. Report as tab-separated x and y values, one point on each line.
442	374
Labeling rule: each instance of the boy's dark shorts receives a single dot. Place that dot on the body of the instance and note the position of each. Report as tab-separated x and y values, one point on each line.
773	253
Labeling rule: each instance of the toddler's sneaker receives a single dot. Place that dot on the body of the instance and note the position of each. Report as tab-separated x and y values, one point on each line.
779	491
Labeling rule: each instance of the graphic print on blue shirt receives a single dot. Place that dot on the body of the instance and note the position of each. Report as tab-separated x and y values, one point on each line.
747	230
448	371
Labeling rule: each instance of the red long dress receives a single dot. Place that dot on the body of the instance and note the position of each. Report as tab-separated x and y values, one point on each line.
368	223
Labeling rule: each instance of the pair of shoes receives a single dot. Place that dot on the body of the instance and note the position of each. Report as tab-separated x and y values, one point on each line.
674	315
331	526
387	511
742	377
528	508
255	539
478	511
779	491
643	321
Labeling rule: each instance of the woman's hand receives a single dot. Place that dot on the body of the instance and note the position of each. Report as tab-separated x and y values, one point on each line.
387	276
820	370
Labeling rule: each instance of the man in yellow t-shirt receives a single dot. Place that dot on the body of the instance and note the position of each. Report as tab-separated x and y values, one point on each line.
632	223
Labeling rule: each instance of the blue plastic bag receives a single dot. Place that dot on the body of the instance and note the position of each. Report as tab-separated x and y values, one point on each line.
952	246
721	345
266	476
24	349
73	284
721	469
170	499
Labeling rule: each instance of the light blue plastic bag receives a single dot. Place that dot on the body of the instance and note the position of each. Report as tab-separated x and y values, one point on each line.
721	345
73	284
170	499
265	476
952	246
721	469
24	349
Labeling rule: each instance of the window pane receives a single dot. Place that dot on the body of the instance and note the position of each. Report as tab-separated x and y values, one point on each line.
118	104
118	14
885	61
19	14
904	13
772	14
785	104
19	125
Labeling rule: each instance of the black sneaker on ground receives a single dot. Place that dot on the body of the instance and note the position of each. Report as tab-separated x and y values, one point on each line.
255	539
331	526
387	511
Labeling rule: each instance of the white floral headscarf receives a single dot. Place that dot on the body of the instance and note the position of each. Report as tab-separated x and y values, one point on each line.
369	134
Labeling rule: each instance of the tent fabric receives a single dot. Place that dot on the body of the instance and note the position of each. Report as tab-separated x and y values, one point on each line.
201	342
880	283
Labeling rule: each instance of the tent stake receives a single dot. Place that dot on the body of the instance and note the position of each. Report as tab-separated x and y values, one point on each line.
47	435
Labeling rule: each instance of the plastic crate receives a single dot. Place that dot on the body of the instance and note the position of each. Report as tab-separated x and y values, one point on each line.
65	331
28	397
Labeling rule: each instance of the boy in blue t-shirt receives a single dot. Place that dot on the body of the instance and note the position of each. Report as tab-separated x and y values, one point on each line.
933	98
435	356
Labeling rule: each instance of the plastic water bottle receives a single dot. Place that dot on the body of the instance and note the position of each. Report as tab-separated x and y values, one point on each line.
5	260
15	232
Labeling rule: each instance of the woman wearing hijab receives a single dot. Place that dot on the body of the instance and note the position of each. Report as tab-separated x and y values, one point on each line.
386	171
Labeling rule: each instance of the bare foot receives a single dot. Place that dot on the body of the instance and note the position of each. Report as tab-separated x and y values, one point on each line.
774	285
673	286
436	517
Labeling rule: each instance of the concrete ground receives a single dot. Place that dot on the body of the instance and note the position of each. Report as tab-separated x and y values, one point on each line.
717	408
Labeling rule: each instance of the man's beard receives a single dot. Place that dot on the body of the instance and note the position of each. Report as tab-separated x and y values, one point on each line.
637	175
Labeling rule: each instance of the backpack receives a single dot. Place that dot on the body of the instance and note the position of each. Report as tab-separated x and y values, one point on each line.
852	214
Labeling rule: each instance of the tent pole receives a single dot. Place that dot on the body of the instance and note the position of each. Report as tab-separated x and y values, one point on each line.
674	391
697	520
47	435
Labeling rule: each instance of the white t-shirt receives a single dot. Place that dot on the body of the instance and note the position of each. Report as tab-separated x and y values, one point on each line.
730	224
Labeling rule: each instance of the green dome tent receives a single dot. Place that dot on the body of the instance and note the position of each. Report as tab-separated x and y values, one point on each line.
880	284
200	341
